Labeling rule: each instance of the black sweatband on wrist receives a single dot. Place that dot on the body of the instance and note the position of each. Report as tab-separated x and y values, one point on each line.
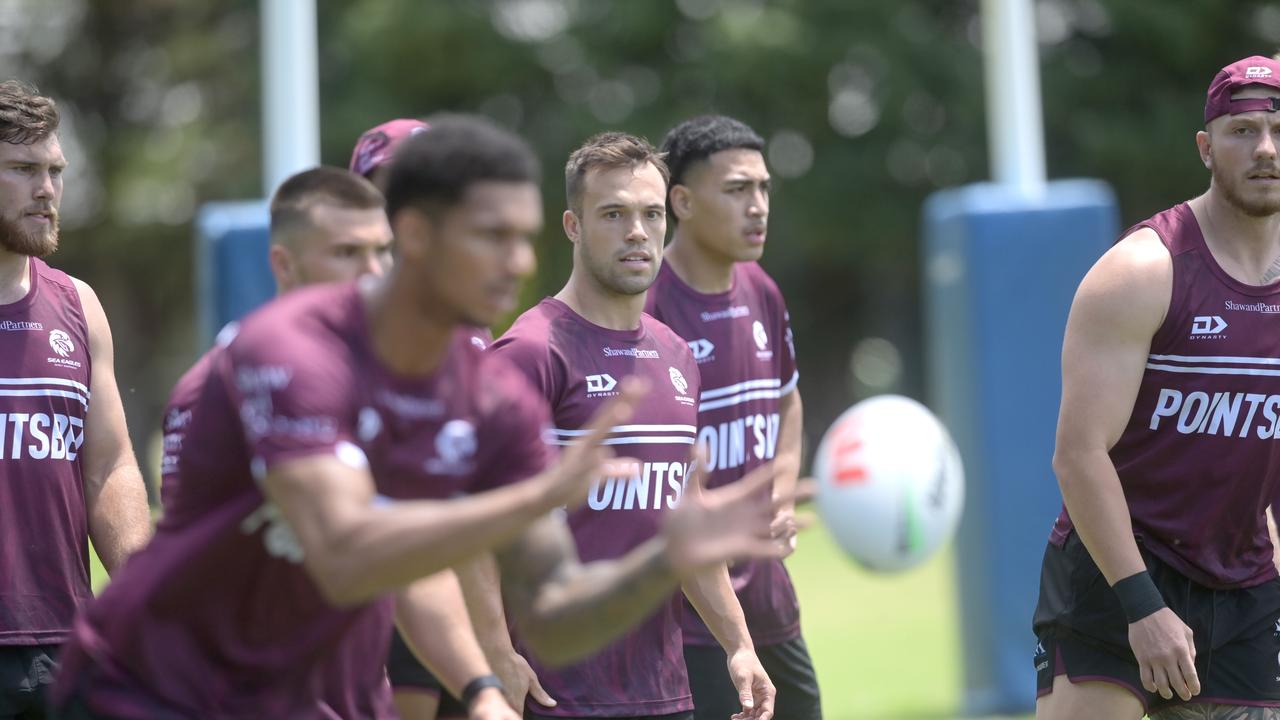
475	687
1138	596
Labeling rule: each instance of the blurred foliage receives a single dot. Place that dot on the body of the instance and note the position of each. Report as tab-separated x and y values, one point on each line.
868	108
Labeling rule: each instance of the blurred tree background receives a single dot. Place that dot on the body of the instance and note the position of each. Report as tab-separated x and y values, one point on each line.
867	108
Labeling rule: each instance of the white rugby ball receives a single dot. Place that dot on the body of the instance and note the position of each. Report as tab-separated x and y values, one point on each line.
890	482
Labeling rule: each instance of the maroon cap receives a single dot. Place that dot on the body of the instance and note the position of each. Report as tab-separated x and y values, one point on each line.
375	146
1256	70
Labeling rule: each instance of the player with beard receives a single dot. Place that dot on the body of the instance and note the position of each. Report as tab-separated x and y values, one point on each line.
1158	592
418	693
67	470
575	347
712	291
352	440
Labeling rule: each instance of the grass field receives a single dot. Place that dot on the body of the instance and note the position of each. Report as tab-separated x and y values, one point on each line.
886	647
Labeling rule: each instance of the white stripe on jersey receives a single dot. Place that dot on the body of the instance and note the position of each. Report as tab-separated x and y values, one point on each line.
45	381
1213	370
745	385
1217	359
4	392
630	429
638	440
791	384
739	399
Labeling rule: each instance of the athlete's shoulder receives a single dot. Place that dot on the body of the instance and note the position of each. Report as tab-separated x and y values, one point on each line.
666	338
759	281
1130	285
315	314
532	333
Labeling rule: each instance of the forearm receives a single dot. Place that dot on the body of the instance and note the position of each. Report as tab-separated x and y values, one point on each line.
432	618
1275	537
482	590
585	606
118	515
786	460
372	549
711	594
1094	498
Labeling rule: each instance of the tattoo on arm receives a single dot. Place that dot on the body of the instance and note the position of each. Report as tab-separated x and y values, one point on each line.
566	609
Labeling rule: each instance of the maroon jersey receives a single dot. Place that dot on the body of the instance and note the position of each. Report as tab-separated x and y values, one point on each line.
577	366
44	395
1198	460
742	342
218	617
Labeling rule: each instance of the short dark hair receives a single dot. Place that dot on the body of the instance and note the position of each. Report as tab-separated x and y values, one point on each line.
608	150
436	167
293	201
698	138
26	116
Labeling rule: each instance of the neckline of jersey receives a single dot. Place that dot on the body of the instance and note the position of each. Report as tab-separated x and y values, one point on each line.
1225	277
628	336
690	290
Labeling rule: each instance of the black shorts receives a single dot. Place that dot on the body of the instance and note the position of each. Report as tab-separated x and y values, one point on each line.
1083	634
408	675
787	664
26	671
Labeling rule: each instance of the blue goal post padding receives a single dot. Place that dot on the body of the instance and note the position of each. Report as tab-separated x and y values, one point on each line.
999	273
232	273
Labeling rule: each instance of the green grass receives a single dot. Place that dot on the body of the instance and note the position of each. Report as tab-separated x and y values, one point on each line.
886	647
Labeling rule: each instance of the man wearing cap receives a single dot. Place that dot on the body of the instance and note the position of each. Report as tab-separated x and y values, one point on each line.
419	694
371	157
1158	591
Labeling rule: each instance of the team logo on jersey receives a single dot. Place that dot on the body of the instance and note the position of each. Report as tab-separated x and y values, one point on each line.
1207	327
602	383
681	385
702	349
1257	71
677	379
61	343
762	340
455	449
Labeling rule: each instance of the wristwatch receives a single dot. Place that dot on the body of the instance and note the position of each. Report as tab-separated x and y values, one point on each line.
477	685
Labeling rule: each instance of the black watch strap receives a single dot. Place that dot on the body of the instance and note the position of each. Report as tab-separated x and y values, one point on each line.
477	685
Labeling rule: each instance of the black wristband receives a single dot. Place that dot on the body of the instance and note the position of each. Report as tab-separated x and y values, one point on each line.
474	688
1138	596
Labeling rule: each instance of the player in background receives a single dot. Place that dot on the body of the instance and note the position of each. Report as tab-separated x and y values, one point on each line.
575	347
328	225
418	693
1158	592
352	440
714	294
67	470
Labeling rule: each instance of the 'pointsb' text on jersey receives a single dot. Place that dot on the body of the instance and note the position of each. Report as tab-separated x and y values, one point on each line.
1197	460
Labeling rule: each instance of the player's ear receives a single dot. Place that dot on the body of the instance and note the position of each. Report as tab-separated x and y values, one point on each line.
681	201
283	267
572	225
413	232
1204	144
